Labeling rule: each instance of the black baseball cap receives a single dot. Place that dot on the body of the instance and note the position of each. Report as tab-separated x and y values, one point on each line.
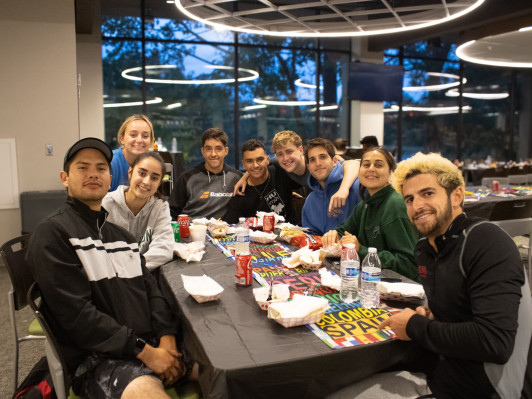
89	142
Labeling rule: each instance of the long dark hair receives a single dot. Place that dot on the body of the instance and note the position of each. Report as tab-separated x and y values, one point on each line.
388	158
157	157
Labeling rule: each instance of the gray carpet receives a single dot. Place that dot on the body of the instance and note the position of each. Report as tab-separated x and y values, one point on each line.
30	351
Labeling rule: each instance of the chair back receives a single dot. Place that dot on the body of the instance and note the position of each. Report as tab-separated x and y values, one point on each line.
35	301
503	181
14	255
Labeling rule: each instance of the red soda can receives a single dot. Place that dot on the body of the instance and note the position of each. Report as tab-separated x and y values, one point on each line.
495	186
183	221
243	269
252	222
268	223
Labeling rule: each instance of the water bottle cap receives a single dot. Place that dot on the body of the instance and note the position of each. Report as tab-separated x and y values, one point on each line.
349	246
241	219
372	250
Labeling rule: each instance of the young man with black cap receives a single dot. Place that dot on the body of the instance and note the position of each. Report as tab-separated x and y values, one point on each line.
108	314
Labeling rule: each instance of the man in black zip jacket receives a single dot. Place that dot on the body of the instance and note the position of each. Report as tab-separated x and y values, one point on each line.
110	318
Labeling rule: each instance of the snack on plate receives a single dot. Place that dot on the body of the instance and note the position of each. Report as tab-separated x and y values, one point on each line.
295	259
262	237
280	293
334	250
312	260
217	228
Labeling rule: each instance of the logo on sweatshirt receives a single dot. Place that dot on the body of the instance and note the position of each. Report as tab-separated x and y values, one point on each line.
207	194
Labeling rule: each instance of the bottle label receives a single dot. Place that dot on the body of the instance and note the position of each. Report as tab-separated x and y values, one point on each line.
372	274
351	271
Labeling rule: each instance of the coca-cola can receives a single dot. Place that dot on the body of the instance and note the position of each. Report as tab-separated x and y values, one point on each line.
243	269
268	223
252	222
495	186
183	221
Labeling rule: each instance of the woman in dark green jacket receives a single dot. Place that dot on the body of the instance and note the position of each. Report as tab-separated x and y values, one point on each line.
380	220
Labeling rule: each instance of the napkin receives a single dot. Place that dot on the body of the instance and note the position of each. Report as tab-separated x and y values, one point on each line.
202	288
403	289
261	237
294	259
329	279
300	310
190	251
280	292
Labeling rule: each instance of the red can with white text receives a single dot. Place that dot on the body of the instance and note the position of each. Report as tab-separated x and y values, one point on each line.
243	269
268	223
252	222
183	221
495	186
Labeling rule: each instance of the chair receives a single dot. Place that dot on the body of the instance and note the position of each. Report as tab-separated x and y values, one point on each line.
57	363
14	253
515	217
517	175
503	181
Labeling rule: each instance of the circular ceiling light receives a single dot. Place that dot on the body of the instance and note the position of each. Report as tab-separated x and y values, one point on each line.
511	49
155	100
300	83
479	93
126	73
435	87
331	18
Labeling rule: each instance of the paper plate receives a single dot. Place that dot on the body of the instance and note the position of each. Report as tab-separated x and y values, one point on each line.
281	293
202	288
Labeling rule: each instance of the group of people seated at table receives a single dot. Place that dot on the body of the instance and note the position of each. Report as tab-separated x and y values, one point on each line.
92	259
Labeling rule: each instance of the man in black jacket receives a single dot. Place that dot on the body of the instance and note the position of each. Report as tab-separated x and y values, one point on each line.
114	325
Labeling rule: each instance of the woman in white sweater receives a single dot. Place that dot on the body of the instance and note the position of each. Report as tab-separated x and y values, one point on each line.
140	210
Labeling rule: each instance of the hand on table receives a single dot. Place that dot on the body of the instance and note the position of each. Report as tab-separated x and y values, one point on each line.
398	323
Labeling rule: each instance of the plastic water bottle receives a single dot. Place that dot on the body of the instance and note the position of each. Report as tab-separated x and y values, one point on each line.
242	237
174	144
349	270
370	277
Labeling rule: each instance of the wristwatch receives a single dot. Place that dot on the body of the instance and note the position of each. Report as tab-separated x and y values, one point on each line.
139	346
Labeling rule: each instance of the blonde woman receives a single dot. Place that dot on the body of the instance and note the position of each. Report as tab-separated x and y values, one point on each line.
135	137
138	209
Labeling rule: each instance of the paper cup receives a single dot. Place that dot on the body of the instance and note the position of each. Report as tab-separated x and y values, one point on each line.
197	232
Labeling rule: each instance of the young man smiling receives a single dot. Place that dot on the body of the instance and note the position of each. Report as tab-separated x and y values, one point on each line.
268	187
326	177
205	190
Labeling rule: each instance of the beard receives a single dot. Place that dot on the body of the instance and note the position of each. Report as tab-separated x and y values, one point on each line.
440	221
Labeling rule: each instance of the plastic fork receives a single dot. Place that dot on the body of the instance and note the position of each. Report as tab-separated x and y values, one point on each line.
270	293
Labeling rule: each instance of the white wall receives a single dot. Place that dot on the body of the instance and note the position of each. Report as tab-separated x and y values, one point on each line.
38	100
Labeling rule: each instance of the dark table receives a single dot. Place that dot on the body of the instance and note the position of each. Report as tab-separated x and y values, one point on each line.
243	354
484	206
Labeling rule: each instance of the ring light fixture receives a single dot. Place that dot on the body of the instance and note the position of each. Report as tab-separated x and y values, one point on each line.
126	73
442	86
429	110
478	95
503	50
331	18
155	100
300	83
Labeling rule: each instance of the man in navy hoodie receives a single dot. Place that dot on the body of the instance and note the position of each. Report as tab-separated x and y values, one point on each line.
326	175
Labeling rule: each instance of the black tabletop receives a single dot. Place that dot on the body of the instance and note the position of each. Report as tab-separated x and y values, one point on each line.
244	354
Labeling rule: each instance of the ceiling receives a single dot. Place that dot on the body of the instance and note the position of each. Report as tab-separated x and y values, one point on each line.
491	18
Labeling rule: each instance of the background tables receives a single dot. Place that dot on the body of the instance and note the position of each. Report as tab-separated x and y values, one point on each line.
243	354
485	207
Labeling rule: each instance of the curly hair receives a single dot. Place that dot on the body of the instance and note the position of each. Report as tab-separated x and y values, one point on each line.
447	174
285	137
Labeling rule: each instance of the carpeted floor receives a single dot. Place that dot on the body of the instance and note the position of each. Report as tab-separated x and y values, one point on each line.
30	351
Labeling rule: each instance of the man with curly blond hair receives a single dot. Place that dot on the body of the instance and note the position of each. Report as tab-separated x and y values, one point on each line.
477	327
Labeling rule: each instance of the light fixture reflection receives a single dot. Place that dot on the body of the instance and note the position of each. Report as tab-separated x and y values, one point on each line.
429	110
477	96
285	103
156	100
252	107
126	73
300	83
440	86
174	105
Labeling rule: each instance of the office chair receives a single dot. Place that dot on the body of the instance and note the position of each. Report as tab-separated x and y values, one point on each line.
57	363
13	253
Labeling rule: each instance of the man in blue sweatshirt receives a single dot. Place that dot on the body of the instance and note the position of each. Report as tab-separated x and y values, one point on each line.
326	175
